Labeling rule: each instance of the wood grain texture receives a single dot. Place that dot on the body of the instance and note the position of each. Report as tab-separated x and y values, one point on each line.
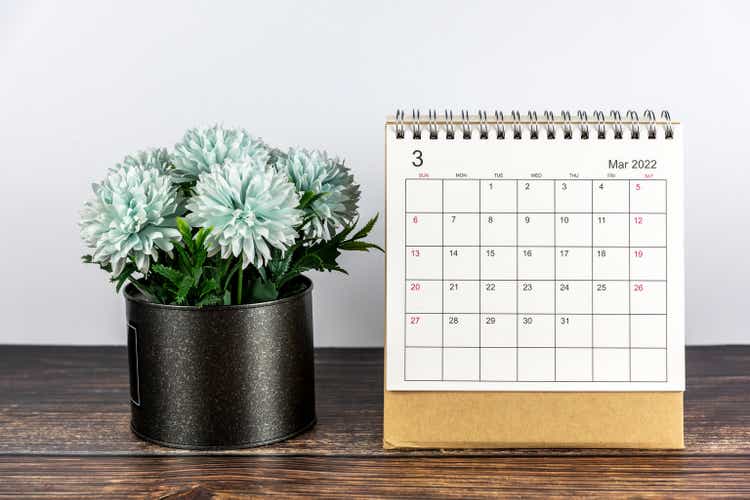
64	433
372	477
74	400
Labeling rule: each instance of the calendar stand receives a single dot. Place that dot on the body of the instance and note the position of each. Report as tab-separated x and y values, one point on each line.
534	282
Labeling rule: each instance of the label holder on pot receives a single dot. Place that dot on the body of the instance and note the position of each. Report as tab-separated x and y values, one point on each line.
135	386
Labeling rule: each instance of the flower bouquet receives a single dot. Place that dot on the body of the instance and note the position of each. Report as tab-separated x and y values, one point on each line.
222	219
210	241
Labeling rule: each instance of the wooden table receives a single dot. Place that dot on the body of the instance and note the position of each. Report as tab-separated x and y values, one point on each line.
64	433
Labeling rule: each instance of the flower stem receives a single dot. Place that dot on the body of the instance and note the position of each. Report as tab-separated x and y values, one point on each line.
239	285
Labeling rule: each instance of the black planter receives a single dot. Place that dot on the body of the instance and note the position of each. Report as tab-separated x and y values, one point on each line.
221	377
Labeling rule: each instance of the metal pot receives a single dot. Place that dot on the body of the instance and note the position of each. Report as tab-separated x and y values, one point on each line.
221	376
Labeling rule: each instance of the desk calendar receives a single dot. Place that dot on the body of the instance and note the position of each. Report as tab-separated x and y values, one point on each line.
534	254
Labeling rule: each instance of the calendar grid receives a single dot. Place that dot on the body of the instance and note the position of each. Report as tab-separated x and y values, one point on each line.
537	246
500	313
630	286
517	295
540	179
572	212
477	287
554	274
593	342
666	290
544	347
442	281
614	280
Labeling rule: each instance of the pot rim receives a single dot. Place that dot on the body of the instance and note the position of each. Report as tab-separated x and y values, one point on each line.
139	299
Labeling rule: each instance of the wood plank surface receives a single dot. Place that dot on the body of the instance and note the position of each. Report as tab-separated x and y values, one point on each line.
74	400
64	434
371	477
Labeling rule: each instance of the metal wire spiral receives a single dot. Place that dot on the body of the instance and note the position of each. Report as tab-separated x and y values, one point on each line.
554	126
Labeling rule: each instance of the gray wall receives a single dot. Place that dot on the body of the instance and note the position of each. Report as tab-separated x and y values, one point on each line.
84	83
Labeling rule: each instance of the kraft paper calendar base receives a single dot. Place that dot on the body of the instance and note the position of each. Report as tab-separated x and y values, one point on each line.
533	420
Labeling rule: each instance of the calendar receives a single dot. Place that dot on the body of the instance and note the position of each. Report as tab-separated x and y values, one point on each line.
534	254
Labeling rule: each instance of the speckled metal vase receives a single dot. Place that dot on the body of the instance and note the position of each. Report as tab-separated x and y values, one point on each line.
221	377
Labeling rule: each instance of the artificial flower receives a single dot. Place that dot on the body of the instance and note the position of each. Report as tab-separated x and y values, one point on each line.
157	158
131	217
201	149
250	207
314	171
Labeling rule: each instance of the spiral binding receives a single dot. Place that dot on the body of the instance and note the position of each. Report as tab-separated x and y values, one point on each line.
553	126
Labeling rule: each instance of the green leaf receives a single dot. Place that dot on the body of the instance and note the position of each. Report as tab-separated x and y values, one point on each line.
200	259
263	291
221	269
173	275
187	233
307	218
341	236
200	237
183	259
197	274
227	298
184	288
209	286
328	254
262	273
240	281
291	288
280	262
147	292
211	300
308	198
228	276
361	246
89	259
123	277
366	229
310	261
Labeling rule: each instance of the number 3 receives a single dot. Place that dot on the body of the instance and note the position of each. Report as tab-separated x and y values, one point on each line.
418	161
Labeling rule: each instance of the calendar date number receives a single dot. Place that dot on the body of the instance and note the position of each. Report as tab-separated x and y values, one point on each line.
417	161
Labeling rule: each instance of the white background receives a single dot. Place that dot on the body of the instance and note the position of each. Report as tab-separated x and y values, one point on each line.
84	83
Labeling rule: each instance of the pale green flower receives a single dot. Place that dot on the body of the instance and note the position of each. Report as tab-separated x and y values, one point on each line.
132	215
157	158
314	171
251	208
201	149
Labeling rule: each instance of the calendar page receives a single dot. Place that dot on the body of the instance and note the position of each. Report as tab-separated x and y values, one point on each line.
546	264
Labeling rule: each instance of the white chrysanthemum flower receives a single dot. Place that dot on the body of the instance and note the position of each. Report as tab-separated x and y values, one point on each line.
201	149
314	171
133	215
157	158
250	207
